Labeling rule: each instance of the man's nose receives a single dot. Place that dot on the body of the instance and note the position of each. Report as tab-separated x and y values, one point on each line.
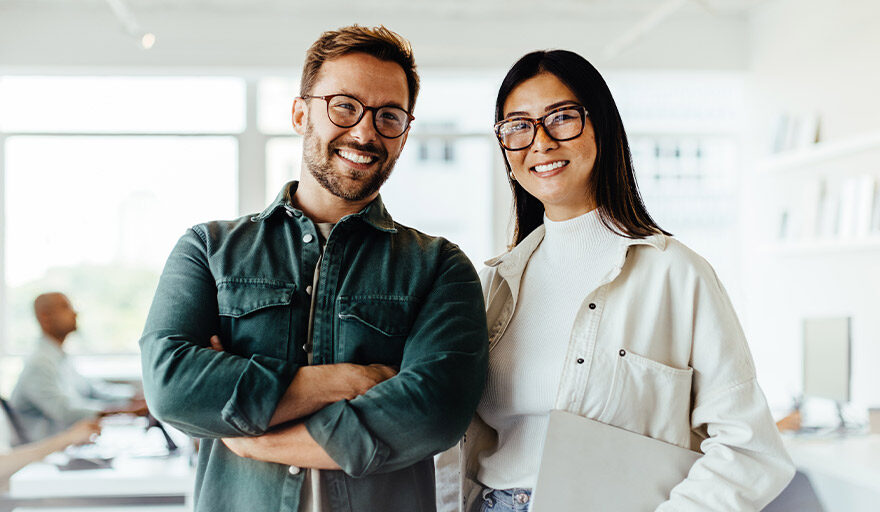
364	131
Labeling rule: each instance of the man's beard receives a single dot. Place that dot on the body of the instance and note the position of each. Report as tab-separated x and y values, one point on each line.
318	159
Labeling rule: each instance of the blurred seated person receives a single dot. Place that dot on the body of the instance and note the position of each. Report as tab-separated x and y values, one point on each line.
791	422
51	395
13	459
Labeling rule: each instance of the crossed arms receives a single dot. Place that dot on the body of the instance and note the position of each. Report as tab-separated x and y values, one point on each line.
312	389
362	419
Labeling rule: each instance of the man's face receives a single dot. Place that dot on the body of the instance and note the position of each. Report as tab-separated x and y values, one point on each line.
62	316
351	163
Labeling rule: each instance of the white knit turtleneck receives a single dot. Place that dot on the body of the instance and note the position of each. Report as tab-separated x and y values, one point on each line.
526	364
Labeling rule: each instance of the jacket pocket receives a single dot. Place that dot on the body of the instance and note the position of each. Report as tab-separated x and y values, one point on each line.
650	398
373	328
255	316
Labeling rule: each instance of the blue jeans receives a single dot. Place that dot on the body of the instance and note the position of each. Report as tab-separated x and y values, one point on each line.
504	500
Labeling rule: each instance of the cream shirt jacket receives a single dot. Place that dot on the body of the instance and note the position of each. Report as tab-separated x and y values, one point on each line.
656	349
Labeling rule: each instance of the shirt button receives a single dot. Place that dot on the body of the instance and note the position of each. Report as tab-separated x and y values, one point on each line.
293	470
522	498
592	306
622	352
580	360
289	213
309	289
308	238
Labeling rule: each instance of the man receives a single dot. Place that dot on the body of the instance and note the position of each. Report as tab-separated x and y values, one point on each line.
50	395
353	348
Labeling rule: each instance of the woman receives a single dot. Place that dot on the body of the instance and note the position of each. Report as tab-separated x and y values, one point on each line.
598	311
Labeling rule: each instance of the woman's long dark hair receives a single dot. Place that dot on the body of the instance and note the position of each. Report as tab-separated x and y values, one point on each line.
612	183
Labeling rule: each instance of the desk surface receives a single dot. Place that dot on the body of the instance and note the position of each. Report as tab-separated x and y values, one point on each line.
135	471
854	459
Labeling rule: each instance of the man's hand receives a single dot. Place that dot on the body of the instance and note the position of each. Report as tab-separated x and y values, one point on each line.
135	406
317	386
291	445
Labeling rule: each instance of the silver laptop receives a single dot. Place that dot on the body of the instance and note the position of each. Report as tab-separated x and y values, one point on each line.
591	466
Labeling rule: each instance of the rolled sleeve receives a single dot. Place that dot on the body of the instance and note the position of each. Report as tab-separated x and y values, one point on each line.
203	392
426	407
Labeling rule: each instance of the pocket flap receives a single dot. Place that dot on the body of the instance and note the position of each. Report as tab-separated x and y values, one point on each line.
237	298
389	315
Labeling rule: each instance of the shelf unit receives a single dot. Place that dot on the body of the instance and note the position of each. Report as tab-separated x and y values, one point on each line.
824	198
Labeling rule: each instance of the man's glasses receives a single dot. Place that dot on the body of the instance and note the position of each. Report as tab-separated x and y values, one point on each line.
346	111
561	124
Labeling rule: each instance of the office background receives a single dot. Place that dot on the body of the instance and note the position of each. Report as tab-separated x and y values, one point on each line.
122	122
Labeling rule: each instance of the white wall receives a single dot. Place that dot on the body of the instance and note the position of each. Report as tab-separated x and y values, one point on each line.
810	56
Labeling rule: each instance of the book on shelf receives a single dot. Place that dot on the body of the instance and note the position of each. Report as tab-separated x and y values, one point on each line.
808	209
875	211
865	186
829	211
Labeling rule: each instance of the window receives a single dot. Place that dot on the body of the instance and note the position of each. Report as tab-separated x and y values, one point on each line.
101	177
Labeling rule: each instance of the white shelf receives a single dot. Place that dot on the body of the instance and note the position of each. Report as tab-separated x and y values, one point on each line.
871	243
819	153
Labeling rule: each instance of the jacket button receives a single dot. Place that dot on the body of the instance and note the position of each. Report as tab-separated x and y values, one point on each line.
592	306
309	289
289	213
308	238
580	360
622	352
293	470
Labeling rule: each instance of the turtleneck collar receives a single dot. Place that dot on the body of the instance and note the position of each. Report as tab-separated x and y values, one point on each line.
578	236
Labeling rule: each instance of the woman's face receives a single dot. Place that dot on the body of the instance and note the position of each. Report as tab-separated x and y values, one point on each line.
556	173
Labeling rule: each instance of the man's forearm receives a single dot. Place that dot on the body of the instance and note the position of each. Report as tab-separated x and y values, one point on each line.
316	387
292	445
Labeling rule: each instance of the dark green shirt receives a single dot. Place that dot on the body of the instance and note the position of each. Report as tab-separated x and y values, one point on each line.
387	294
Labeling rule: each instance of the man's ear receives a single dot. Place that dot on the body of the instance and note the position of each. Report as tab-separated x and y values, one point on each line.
299	115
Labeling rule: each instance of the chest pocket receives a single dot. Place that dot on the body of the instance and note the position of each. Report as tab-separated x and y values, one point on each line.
373	328
650	398
255	316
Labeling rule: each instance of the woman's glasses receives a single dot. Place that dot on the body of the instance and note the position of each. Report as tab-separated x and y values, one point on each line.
561	124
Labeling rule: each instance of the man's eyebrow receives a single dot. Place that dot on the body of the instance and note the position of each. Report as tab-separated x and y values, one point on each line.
546	109
389	104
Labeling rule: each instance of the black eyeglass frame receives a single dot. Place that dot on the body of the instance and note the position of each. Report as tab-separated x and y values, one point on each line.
375	110
582	110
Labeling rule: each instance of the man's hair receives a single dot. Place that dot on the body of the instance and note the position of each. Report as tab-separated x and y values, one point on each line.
376	41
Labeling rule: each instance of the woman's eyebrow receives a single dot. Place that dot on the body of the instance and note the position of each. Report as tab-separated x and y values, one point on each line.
546	109
559	104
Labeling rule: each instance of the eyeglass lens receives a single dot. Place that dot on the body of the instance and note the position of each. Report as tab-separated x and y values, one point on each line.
560	125
345	112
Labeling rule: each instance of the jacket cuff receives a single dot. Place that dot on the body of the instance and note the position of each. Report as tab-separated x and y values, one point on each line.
340	432
257	393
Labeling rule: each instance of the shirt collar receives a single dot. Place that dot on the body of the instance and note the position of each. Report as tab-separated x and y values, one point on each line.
513	261
373	214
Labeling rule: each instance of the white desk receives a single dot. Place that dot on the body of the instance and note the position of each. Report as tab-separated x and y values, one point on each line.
844	471
135	478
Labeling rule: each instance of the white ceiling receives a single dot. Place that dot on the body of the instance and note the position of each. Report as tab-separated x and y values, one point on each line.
265	34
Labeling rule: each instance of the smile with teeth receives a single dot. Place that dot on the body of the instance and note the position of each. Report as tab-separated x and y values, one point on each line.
355	157
549	167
